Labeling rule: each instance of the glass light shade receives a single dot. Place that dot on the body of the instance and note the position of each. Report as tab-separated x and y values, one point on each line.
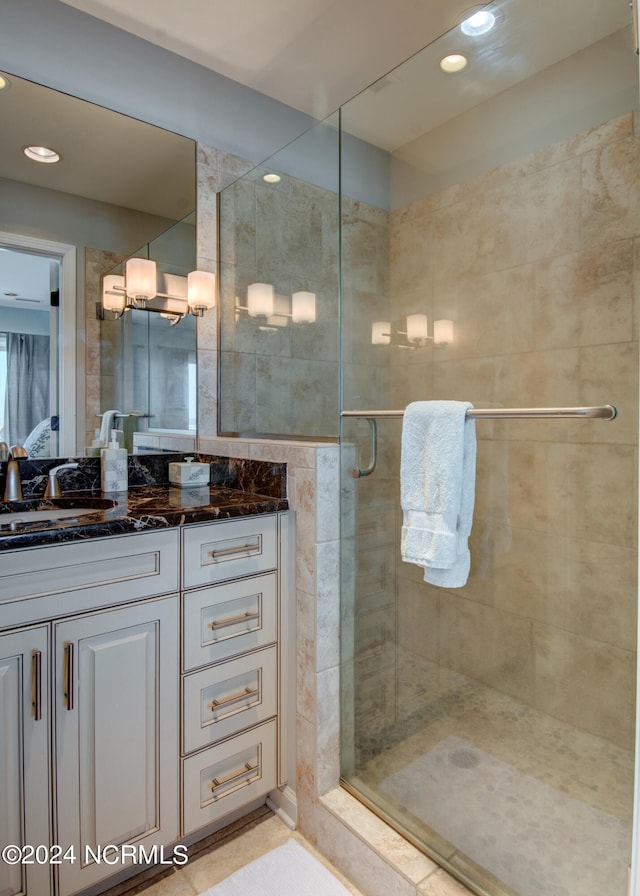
113	293
140	277
381	332
201	289
303	307
417	328
443	332
259	299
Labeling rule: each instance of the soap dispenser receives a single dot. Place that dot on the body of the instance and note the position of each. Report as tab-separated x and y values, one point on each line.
113	466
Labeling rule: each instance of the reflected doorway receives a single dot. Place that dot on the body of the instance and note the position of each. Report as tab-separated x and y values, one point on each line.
37	345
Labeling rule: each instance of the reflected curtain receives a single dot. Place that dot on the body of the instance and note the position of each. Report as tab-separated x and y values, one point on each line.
27	396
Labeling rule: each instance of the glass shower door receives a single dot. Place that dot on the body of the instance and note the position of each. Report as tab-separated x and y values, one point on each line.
490	257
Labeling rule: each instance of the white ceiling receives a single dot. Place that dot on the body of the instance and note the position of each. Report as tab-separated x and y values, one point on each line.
313	55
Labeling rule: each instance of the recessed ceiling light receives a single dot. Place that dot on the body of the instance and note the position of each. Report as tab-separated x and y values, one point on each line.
479	23
5	83
41	154
271	178
453	63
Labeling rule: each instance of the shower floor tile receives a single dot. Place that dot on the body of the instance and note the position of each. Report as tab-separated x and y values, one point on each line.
561	763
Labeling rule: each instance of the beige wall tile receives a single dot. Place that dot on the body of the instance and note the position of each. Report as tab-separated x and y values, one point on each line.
610	198
585	298
567	666
538	216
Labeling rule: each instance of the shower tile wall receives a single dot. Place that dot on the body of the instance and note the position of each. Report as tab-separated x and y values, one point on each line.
99	338
283	379
367	384
537	264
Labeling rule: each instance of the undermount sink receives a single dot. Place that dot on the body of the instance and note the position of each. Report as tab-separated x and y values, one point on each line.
30	512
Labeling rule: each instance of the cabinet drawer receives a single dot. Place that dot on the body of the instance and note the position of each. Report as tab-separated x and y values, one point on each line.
228	776
80	576
224	699
228	549
228	619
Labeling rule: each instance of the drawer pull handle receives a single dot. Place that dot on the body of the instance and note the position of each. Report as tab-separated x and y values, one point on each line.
236	549
68	675
249	616
227	701
235	776
36	684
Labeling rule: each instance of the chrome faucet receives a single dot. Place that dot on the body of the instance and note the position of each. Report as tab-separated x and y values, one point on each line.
13	485
53	489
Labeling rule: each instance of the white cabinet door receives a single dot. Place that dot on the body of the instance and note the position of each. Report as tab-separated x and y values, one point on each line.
116	704
24	758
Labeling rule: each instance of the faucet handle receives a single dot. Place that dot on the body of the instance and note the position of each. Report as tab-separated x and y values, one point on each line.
4	451
17	451
53	489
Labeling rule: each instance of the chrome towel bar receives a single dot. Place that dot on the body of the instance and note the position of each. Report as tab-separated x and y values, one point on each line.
602	412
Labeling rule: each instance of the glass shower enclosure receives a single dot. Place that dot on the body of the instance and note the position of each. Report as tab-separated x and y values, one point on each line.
490	224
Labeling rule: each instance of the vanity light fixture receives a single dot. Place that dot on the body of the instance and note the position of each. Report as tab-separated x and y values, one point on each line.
262	302
41	154
138	290
5	83
416	333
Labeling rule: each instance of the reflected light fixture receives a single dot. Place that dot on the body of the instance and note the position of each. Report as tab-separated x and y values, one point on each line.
260	299
41	154
303	307
479	23
5	83
138	290
453	63
416	333
381	332
263	302
271	178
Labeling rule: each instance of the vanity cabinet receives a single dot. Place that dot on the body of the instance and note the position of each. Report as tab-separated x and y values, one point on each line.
141	691
24	755
106	746
230	665
116	708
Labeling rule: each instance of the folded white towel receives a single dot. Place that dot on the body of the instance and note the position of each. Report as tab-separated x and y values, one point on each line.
437	489
108	423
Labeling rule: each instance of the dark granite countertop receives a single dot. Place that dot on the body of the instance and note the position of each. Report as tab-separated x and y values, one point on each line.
146	507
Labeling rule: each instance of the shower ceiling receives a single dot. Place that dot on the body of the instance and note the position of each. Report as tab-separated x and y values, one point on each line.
315	55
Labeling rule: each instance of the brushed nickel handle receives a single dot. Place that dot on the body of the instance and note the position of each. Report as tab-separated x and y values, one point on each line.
252	548
68	674
235	776
227	701
249	616
36	684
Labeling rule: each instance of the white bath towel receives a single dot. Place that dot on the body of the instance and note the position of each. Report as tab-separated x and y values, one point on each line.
437	489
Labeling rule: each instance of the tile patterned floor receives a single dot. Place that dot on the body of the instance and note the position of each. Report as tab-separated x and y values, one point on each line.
221	855
582	766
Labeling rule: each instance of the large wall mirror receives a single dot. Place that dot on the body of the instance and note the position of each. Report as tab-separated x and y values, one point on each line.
121	187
